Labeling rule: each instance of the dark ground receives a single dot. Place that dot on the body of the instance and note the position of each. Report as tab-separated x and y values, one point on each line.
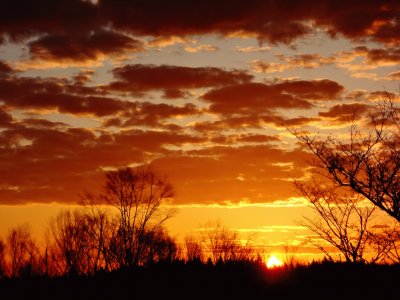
233	280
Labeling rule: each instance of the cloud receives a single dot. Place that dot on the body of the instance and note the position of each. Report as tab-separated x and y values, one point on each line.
394	75
375	20
82	47
307	61
362	58
343	113
40	149
5	118
199	17
172	79
199	48
48	94
152	115
23	19
165	41
252	49
244	139
383	56
249	98
5	68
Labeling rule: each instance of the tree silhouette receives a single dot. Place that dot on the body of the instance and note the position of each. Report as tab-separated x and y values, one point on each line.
223	244
70	232
194	251
23	252
342	221
368	160
138	195
3	270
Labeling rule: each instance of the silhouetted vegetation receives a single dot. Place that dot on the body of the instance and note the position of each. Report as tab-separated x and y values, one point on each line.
224	280
367	161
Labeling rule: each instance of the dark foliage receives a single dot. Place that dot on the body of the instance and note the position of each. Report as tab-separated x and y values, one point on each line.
229	280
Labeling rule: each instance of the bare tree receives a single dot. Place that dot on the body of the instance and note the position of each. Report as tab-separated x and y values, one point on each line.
367	161
159	246
70	232
101	231
138	195
3	269
22	251
290	252
386	241
193	248
341	221
223	244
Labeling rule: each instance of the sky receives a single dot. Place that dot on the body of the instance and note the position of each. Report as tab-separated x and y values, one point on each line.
202	90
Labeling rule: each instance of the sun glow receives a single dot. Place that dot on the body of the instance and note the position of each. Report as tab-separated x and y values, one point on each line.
274	262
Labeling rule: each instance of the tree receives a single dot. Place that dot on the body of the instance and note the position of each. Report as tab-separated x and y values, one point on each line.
159	247
193	248
3	270
223	244
138	195
368	161
386	240
341	221
71	248
23	252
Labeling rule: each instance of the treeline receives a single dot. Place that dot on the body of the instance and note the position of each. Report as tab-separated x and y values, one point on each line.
89	241
223	280
94	239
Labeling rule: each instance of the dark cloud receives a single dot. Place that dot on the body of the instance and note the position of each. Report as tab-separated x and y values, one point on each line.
342	113
20	19
82	47
378	20
379	56
357	19
354	19
152	115
172	79
249	98
252	121
39	94
44	162
5	68
5	118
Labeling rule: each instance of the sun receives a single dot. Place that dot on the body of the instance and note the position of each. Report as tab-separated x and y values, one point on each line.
274	262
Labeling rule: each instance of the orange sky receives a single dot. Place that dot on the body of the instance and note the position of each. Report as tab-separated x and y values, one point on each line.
200	89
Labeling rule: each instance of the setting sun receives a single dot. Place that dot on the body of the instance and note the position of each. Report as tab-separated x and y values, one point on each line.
274	262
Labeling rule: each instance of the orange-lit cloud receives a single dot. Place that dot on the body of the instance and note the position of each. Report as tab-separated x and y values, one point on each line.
5	68
199	48
252	49
54	94
59	162
394	76
343	113
82	47
308	61
172	79
252	97
152	115
5	118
